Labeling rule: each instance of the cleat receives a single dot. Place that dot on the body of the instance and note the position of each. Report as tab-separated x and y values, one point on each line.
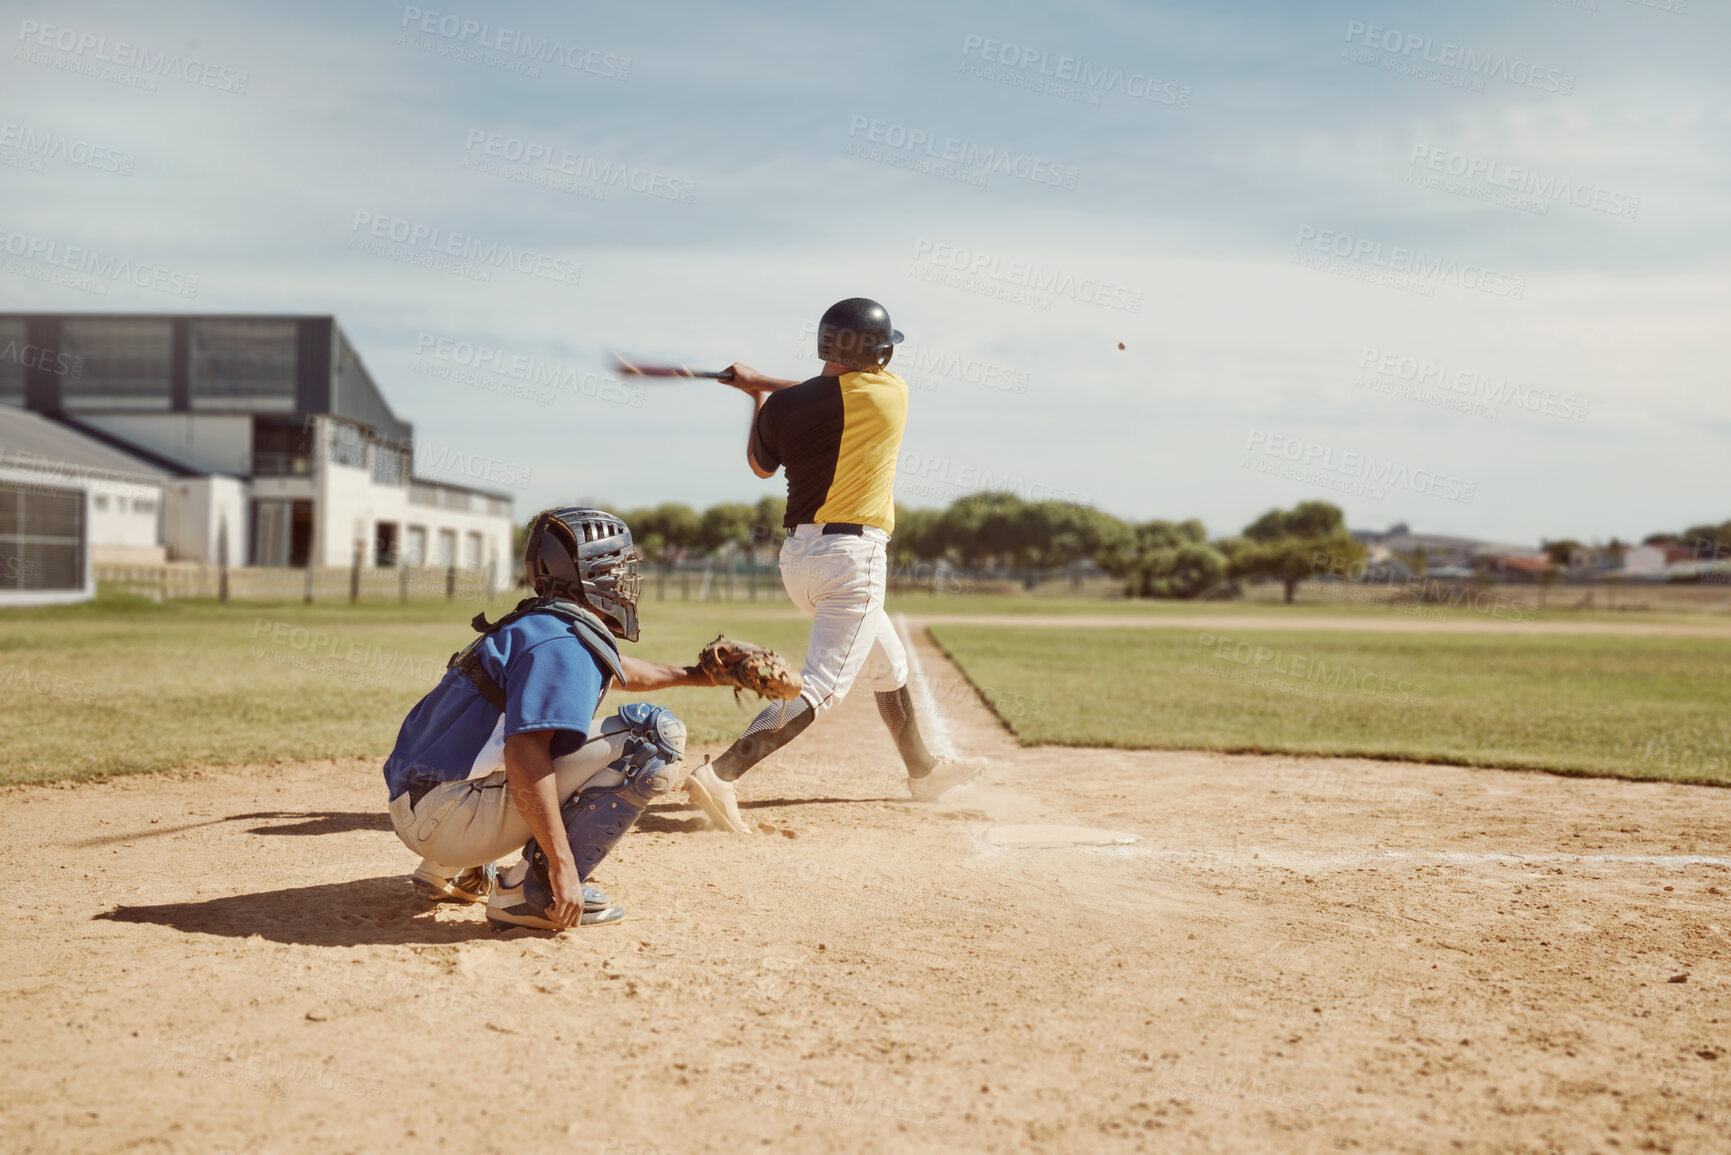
471	885
508	906
946	774
716	799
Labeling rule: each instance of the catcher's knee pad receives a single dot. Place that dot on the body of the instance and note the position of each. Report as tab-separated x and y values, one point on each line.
656	743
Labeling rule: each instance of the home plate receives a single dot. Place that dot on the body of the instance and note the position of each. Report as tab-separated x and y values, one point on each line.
1041	835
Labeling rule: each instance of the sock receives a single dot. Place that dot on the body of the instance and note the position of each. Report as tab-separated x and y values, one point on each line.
896	708
775	726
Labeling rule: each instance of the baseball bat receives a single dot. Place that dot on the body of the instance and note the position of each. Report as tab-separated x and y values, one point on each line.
666	369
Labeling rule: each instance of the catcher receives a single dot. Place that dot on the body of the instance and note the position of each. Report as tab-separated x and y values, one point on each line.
505	751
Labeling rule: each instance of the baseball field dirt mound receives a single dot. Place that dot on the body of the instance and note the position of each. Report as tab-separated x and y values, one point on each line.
1269	954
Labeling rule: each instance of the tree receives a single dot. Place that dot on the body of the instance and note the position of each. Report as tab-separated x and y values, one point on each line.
1291	545
767	518
1560	552
987	525
726	526
1163	559
1709	541
918	537
666	531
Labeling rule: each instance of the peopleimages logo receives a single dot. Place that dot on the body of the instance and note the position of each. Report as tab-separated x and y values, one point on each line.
1410	262
1136	85
93	271
562	162
989	267
965	153
510	42
82	48
1526	181
1350	472
1423	372
514	374
1447	54
428	244
70	149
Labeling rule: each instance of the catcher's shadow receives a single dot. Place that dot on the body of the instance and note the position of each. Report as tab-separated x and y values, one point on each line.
363	912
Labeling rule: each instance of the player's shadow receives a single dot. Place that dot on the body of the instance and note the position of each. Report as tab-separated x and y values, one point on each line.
653	823
327	822
314	822
761	803
362	912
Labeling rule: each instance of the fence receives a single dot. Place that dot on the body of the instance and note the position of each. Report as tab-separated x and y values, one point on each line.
320	583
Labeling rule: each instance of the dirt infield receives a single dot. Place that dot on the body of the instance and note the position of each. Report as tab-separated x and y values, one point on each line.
1294	955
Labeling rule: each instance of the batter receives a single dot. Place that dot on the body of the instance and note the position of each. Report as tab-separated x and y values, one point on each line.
837	436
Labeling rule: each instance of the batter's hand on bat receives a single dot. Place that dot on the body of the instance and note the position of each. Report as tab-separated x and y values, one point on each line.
745	379
748	380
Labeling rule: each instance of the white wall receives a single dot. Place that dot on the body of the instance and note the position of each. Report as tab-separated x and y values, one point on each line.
125	520
351	504
219	443
1643	559
197	510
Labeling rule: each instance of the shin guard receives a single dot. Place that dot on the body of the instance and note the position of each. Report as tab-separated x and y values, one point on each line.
595	820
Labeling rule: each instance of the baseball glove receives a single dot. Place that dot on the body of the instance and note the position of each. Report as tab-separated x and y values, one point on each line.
745	666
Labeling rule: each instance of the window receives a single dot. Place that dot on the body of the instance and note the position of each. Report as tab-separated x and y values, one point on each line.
143	505
282	532
390	463
101	502
41	538
385	543
282	447
14	336
242	363
127	362
472	556
447	554
415	548
348	445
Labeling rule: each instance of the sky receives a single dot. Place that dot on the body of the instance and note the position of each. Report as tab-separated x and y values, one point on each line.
1462	267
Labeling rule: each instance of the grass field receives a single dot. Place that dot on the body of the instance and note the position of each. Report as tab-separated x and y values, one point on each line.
1503	605
124	685
1622	706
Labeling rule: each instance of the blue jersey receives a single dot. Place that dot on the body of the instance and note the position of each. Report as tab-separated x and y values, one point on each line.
551	682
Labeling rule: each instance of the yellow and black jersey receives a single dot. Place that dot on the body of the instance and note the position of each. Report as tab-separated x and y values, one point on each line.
837	437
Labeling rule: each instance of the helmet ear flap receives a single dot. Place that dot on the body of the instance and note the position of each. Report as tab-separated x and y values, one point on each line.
549	561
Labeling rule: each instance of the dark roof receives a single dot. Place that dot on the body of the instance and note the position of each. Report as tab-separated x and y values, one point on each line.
156	460
28	439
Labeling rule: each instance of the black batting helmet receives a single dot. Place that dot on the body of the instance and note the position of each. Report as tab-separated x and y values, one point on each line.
857	333
586	555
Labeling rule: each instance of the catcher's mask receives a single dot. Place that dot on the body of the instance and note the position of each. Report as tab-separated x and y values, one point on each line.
586	555
857	333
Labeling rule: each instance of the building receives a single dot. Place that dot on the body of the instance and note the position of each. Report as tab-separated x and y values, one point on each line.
1400	555
270	441
59	492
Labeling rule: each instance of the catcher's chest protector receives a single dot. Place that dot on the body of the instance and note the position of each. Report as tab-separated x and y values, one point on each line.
594	636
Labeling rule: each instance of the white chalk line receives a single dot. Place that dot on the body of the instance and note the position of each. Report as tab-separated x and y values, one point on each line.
938	739
1254	857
